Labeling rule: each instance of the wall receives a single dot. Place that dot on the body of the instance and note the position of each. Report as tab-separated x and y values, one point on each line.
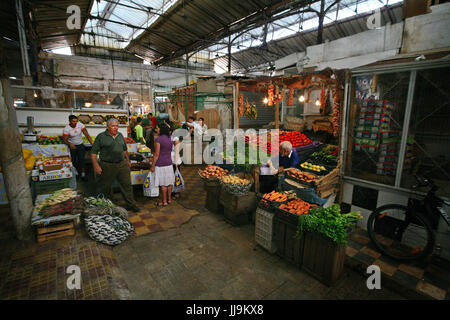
428	31
424	32
100	74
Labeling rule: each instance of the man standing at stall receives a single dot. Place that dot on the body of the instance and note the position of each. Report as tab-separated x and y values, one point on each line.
114	163
73	137
152	120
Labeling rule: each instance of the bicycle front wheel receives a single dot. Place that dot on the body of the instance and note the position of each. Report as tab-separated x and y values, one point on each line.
400	234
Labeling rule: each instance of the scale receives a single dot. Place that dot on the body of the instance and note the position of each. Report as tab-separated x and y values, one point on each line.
29	135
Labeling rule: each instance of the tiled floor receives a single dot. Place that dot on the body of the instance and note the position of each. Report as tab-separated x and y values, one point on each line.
153	218
32	271
430	278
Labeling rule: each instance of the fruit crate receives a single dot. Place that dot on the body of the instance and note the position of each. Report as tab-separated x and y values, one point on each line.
264	229
44	187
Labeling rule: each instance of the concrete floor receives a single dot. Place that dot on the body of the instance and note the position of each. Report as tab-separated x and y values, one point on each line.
207	258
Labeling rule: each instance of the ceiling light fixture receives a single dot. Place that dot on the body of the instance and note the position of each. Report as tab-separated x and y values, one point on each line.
301	98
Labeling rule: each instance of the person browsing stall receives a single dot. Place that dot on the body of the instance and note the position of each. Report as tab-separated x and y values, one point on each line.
114	163
162	164
139	131
73	137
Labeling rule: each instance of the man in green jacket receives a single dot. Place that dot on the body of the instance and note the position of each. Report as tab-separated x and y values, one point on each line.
113	164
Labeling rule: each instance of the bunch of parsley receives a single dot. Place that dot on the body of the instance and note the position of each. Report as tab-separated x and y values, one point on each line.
328	222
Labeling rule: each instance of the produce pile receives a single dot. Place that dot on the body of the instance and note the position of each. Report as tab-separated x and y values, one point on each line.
140	166
129	140
297	139
123	119
59	203
213	172
103	206
250	110
298	207
235	185
46	140
275	196
85	140
327	155
329	222
234	180
313	167
300	175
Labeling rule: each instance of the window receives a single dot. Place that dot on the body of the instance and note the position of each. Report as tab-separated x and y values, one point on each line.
428	147
377	141
375	126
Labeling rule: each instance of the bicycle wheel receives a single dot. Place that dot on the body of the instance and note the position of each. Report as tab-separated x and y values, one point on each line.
399	234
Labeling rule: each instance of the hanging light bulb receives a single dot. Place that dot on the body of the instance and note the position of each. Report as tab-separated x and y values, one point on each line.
318	103
35	94
301	98
108	102
265	101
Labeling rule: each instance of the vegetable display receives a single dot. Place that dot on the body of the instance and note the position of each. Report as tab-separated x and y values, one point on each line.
300	175
275	196
57	197
328	222
46	140
213	172
313	167
298	207
327	155
297	139
234	180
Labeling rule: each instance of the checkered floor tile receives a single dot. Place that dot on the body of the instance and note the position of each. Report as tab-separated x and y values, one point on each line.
30	271
153	218
430	278
194	195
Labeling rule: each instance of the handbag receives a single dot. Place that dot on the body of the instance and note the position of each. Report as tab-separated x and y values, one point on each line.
178	185
150	188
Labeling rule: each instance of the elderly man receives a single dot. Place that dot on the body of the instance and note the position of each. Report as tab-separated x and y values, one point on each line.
288	157
114	163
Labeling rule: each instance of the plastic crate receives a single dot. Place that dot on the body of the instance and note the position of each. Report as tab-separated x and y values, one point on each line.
264	229
44	187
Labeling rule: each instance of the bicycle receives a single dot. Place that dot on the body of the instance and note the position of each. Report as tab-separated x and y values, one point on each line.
406	233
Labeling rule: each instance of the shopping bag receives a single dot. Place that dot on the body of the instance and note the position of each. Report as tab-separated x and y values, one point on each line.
178	185
150	188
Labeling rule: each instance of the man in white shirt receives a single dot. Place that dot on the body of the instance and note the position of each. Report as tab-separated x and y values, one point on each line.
73	137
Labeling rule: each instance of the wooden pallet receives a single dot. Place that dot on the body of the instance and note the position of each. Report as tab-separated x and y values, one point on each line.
55	231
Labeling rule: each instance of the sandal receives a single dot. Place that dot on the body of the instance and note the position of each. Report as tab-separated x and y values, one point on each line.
162	204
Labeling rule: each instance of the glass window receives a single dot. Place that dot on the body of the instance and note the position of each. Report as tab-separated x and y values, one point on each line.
428	149
377	112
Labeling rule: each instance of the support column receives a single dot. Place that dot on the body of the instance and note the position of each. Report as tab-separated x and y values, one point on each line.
13	167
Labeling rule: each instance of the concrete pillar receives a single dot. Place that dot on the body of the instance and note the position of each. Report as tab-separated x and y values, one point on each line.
13	166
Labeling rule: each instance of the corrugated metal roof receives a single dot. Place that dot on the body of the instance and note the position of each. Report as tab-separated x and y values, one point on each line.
50	18
193	25
252	57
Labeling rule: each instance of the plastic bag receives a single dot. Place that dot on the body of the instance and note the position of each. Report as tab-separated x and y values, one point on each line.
150	189
178	185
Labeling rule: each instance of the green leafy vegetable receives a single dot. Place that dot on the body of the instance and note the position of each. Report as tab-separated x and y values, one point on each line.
328	222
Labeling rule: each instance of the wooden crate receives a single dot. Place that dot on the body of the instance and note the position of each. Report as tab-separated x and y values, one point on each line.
212	202
238	209
288	246
55	231
323	258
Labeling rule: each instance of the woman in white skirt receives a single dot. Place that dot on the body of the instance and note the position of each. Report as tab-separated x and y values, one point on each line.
162	164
